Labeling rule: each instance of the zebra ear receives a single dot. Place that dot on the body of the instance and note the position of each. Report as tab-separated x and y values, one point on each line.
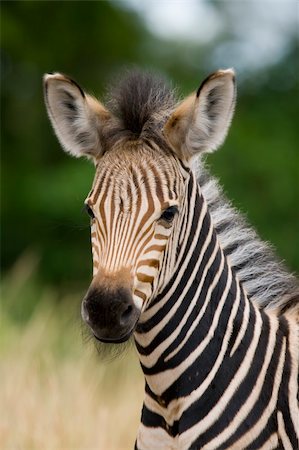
200	123
77	118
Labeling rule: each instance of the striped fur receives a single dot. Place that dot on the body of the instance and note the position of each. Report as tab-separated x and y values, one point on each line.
220	373
217	333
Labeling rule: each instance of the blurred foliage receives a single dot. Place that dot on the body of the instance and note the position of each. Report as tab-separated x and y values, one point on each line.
44	189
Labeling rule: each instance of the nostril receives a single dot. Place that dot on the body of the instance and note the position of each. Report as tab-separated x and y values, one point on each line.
126	314
84	312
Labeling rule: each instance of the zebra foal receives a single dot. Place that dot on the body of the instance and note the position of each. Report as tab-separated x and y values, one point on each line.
214	316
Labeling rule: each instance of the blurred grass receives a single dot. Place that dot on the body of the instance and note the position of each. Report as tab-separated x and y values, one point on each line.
55	391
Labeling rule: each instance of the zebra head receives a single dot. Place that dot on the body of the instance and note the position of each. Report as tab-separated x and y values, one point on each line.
141	145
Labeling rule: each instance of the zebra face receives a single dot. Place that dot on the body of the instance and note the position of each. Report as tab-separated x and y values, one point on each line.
141	145
134	207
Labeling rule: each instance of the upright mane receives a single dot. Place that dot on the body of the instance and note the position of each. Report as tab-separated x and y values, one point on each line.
141	102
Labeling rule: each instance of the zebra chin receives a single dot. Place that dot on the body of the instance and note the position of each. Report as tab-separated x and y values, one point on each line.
114	341
111	315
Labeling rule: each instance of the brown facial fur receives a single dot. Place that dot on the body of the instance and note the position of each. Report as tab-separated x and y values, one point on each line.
112	280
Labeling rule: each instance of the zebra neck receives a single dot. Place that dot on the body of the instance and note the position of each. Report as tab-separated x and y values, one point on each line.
202	306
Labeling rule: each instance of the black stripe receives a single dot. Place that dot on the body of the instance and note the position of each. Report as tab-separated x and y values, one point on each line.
238	320
283	394
154	420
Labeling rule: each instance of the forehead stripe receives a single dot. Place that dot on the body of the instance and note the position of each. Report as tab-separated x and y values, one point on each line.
150	210
99	185
126	233
158	184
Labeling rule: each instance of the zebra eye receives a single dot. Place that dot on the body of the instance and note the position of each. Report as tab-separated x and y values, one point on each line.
169	214
89	211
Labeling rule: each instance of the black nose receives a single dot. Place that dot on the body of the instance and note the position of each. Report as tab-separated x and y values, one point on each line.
112	315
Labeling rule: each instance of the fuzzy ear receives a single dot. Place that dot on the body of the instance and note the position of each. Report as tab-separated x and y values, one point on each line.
77	118
201	121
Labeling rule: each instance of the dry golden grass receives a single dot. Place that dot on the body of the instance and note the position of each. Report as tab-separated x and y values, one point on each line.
55	391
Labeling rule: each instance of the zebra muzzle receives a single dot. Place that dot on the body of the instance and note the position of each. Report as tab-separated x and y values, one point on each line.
111	314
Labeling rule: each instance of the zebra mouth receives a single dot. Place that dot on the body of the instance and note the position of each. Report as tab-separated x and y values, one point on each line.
118	340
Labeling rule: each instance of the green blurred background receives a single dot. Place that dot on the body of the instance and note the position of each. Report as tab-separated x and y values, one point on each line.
45	250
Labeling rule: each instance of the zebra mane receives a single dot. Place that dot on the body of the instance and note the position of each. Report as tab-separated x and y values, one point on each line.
139	100
264	277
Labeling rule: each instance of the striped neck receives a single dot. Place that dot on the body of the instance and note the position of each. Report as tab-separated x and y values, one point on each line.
198	314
